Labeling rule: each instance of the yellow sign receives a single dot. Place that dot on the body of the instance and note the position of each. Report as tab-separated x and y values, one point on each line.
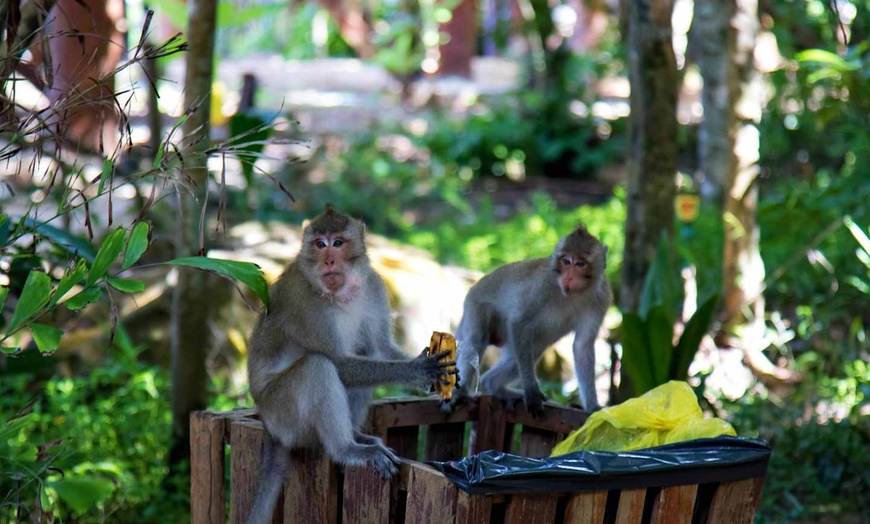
687	207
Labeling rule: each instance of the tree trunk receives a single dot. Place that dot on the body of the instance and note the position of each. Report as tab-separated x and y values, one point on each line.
457	52
653	150
191	306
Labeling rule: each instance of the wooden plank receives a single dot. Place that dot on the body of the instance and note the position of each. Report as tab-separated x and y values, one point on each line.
472	508
586	507
735	502
488	430
431	497
531	509
311	490
675	504
207	495
246	440
558	419
366	496
444	441
630	509
536	442
416	412
403	440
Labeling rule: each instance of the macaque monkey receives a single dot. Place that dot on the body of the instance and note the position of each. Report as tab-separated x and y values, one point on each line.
324	341
523	308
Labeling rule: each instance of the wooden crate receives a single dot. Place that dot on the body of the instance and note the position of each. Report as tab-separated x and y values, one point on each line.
320	492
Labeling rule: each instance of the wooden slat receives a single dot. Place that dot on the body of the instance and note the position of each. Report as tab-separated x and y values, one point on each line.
246	439
558	419
630	509
531	509
431	497
536	442
489	428
674	505
416	412
311	490
366	497
444	441
735	502
207	495
404	440
586	507
472	508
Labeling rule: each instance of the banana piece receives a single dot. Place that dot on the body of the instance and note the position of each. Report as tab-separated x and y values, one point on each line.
444	342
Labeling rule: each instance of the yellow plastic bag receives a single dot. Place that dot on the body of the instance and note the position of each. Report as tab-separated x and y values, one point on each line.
664	415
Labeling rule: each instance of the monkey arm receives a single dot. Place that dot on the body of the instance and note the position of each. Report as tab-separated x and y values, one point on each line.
356	371
584	358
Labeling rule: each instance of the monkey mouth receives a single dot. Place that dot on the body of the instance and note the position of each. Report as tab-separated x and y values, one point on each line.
332	280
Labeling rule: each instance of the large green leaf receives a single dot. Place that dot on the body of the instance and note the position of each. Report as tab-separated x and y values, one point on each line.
690	340
660	330
136	244
47	338
107	255
83	493
70	278
245	272
127	285
34	296
64	239
83	298
826	58
636	361
660	286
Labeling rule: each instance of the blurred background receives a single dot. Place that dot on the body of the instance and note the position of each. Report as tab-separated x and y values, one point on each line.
718	148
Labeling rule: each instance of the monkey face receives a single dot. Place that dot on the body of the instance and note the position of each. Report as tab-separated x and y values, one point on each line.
574	273
333	261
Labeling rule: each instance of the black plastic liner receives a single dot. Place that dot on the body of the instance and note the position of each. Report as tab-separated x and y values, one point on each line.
698	461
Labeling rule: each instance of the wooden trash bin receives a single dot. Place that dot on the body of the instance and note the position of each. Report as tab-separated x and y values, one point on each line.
320	492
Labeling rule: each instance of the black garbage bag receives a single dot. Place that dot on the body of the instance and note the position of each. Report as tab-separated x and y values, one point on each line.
717	459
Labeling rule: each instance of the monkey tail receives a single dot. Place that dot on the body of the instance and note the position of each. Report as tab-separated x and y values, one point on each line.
274	466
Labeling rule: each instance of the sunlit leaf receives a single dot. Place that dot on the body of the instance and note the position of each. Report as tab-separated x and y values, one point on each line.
106	256
83	298
127	285
823	57
245	272
34	296
82	493
3	292
6	350
47	338
70	278
137	244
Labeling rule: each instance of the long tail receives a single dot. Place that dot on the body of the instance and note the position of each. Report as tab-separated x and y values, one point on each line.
274	466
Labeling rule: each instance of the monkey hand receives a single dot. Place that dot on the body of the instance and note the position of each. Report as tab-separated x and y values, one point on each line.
430	369
534	401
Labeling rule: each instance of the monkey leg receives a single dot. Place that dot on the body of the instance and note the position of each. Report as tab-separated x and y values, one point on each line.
496	379
274	464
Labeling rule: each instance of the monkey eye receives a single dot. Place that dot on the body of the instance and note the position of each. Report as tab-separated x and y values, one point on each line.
580	263
338	242
320	244
566	261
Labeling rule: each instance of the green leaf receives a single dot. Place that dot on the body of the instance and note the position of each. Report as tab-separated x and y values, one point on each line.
636	361
245	272
34	296
83	493
3	292
106	256
136	244
108	169
83	298
73	244
660	285
47	338
7	350
690	340
70	278
827	58
660	330
127	285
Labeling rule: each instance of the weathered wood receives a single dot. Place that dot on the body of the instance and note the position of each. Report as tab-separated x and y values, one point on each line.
488	429
586	508
311	490
366	497
403	440
431	497
536	442
472	508
416	412
207	495
630	510
246	440
444	441
735	502
556	418
675	505
531	509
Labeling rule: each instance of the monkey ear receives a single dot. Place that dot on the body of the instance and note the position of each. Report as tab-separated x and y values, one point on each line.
329	209
305	224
